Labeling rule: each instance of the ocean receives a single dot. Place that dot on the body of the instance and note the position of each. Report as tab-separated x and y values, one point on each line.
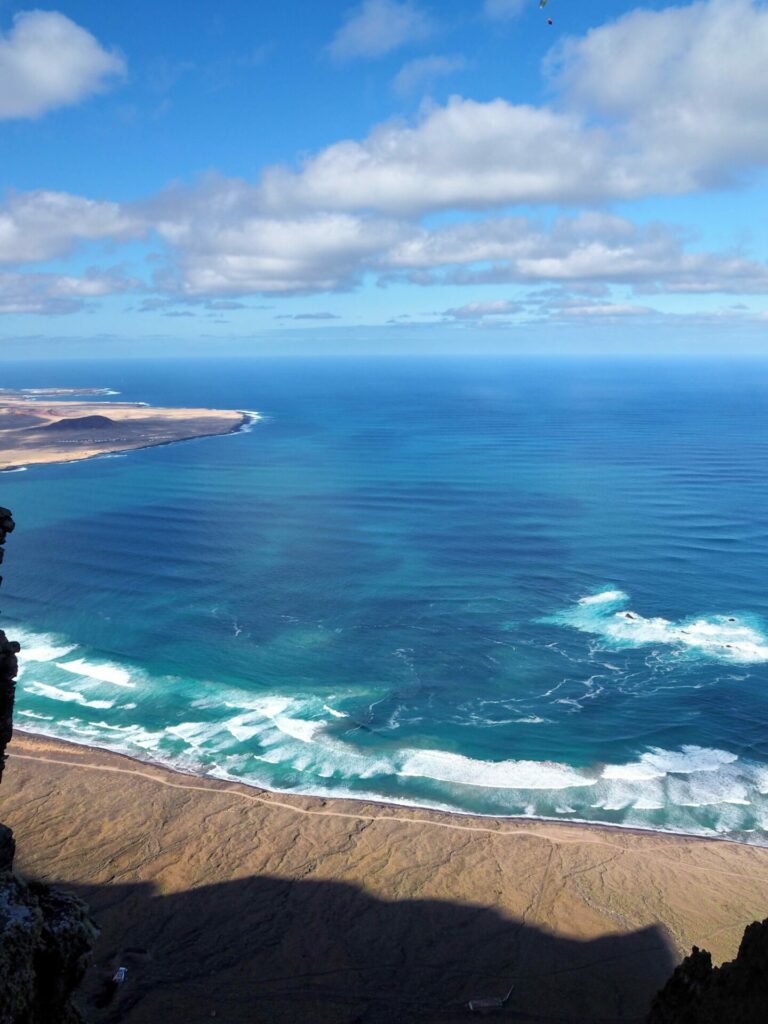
513	587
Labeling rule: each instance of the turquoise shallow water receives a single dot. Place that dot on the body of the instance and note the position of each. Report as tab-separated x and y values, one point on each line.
500	587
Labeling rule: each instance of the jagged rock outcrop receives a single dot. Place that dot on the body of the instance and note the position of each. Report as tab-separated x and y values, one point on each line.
8	652
45	934
736	993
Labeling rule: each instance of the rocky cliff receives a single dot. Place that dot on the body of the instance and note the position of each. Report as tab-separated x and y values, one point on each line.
736	993
45	934
8	652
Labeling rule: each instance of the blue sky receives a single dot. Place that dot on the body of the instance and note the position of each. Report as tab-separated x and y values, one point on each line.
383	176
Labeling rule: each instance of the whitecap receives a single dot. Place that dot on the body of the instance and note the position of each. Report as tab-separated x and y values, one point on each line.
39	689
456	768
334	712
605	597
40	647
721	637
104	673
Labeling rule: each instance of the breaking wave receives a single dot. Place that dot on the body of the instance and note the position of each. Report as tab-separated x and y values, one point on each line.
724	638
311	743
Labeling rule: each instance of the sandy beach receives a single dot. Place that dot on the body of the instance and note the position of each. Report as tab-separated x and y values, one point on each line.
40	431
228	902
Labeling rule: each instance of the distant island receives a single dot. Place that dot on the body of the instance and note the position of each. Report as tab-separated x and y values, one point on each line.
35	430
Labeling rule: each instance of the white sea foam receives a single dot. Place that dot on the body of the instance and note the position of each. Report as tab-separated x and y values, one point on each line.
721	637
657	763
466	771
34	714
253	418
606	597
39	647
336	714
74	696
104	673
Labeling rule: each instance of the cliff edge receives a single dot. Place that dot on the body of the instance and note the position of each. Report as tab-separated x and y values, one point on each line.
45	934
736	992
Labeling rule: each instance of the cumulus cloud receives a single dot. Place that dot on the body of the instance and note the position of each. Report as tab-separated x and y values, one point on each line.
422	72
465	154
686	86
589	247
47	61
377	27
663	101
480	310
56	294
221	244
656	101
42	224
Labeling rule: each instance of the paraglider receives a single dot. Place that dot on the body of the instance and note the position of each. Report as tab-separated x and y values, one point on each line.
542	5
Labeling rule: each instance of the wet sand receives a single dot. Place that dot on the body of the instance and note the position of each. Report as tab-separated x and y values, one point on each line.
38	432
229	902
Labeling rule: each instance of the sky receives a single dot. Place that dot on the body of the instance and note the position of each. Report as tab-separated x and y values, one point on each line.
383	177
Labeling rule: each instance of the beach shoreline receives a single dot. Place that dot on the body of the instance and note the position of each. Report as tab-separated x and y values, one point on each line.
184	866
275	795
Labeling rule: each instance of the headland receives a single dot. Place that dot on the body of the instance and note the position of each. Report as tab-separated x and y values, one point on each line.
37	427
231	902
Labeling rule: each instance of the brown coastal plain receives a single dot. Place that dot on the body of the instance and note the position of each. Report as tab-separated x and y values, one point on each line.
231	903
37	431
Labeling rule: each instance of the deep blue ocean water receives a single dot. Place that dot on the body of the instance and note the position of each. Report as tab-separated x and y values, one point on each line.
518	588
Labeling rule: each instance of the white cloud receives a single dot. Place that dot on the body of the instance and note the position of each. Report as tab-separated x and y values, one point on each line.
502	10
605	310
323	315
42	224
480	310
56	294
47	61
590	247
377	27
221	245
656	102
464	154
687	87
422	72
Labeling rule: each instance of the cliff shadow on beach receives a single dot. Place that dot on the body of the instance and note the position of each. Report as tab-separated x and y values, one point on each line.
266	949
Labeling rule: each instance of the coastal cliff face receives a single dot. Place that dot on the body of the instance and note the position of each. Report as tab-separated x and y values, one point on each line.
737	992
8	652
45	934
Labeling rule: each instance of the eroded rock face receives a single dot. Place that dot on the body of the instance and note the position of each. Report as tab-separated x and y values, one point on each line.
736	993
45	934
8	666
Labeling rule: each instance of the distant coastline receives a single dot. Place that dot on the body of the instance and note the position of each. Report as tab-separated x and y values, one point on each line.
38	428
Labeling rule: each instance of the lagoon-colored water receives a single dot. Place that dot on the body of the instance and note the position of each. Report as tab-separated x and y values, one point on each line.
500	587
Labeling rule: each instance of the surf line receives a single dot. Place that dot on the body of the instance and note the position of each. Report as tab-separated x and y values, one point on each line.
228	789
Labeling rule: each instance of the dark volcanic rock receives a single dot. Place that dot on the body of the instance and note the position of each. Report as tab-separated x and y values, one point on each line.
45	934
8	666
80	423
736	993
